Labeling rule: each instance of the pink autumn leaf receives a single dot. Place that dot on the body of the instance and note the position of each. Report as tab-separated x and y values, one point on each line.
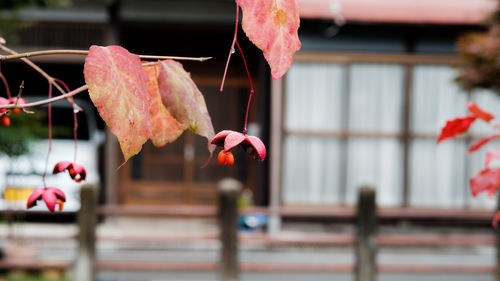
272	25
486	180
233	139
118	87
182	98
456	127
50	195
478	112
3	101
477	145
17	101
76	172
165	128
490	156
230	139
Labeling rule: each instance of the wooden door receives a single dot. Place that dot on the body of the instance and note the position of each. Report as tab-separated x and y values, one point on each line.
173	174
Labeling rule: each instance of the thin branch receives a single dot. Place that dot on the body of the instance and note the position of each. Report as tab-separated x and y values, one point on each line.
148	57
47	101
75	119
251	87
50	137
231	50
85	52
37	68
6	84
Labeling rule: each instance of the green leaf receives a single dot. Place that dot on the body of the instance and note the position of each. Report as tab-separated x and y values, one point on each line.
183	99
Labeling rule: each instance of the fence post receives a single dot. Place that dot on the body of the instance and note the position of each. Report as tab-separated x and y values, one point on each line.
87	220
228	223
366	243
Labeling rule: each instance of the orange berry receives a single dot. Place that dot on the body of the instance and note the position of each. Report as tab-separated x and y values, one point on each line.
5	121
229	159
222	157
60	203
16	110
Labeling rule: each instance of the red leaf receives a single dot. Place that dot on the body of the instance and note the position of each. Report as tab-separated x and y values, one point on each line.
490	156
272	26
486	180
34	196
455	127
478	112
481	142
183	100
118	88
166	128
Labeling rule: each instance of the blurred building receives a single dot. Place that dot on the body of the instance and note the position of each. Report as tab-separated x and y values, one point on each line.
362	105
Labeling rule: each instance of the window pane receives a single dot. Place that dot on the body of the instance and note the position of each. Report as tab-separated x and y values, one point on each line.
435	98
377	163
311	170
376	97
314	96
437	173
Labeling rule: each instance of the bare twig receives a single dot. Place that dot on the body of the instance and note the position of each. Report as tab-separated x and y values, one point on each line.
38	69
85	52
65	95
46	101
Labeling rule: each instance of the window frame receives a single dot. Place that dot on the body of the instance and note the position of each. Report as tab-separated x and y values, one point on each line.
279	132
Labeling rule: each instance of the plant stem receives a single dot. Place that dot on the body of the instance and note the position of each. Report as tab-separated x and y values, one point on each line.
85	52
251	86
50	137
5	83
36	68
21	88
47	101
75	120
231	50
246	66
246	115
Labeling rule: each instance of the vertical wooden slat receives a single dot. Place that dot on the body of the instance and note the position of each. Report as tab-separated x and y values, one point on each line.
275	158
189	167
366	239
228	223
87	220
111	161
405	139
113	10
344	157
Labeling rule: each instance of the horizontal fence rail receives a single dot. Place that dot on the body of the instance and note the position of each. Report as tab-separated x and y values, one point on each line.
229	267
484	216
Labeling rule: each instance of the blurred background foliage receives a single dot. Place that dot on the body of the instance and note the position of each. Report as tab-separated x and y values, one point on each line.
24	128
479	54
9	22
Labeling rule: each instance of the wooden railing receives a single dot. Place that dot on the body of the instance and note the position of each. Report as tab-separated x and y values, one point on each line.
366	240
